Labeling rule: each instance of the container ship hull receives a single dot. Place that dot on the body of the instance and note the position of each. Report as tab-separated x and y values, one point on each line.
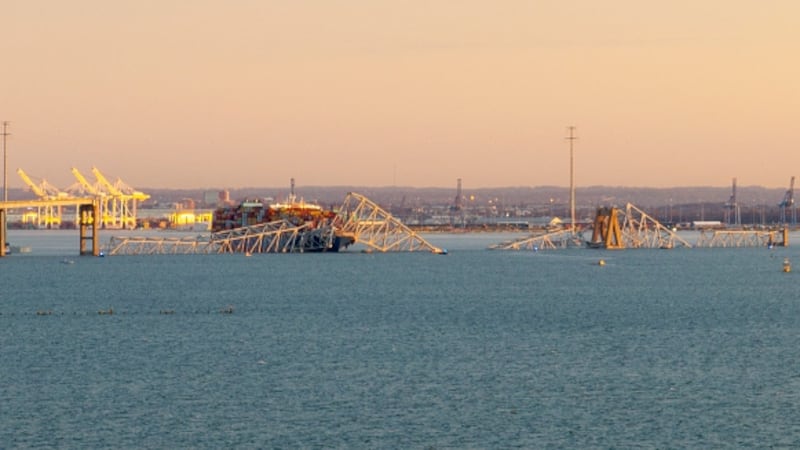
315	230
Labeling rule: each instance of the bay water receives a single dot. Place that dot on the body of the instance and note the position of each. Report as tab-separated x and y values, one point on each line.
684	348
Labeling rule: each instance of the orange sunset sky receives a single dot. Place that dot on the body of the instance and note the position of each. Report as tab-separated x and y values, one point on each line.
249	93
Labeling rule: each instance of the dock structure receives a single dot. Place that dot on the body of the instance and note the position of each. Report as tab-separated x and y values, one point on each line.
88	220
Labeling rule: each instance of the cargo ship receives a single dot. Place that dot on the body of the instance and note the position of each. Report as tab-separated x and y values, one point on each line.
255	211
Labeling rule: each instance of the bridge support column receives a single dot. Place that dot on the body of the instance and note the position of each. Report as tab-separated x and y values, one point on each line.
606	231
3	230
89	219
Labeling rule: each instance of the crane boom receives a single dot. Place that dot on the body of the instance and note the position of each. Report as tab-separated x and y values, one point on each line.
84	182
102	180
34	187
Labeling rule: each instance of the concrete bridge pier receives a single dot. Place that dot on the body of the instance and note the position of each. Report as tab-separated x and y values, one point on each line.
3	239
89	220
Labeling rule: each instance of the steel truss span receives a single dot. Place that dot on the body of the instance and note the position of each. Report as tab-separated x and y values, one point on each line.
542	241
364	222
273	237
742	238
640	230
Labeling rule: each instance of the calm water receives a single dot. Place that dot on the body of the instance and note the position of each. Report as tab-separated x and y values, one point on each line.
478	349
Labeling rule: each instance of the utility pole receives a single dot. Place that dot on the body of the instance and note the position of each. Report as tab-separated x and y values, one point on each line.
5	162
571	138
3	215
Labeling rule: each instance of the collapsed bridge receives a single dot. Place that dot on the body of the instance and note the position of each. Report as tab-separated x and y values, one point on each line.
615	228
358	221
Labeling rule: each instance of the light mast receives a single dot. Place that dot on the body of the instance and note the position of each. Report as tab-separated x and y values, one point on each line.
571	138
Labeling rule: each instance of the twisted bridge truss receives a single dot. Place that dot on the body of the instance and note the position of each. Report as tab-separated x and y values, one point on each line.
279	236
636	230
541	241
613	229
361	220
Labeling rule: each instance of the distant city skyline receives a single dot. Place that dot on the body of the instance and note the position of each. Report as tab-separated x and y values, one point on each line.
251	93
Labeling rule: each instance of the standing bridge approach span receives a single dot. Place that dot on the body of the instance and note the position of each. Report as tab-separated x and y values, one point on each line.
88	219
743	238
358	221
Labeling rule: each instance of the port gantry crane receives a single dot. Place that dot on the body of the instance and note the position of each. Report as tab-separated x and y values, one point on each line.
788	203
48	215
86	188
123	200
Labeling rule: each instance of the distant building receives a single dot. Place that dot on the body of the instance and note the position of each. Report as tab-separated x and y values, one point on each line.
217	197
707	224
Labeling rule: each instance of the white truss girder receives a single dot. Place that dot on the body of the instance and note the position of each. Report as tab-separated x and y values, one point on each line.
640	230
541	241
738	238
273	237
363	221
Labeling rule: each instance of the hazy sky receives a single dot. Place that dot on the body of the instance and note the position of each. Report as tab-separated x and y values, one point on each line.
237	93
